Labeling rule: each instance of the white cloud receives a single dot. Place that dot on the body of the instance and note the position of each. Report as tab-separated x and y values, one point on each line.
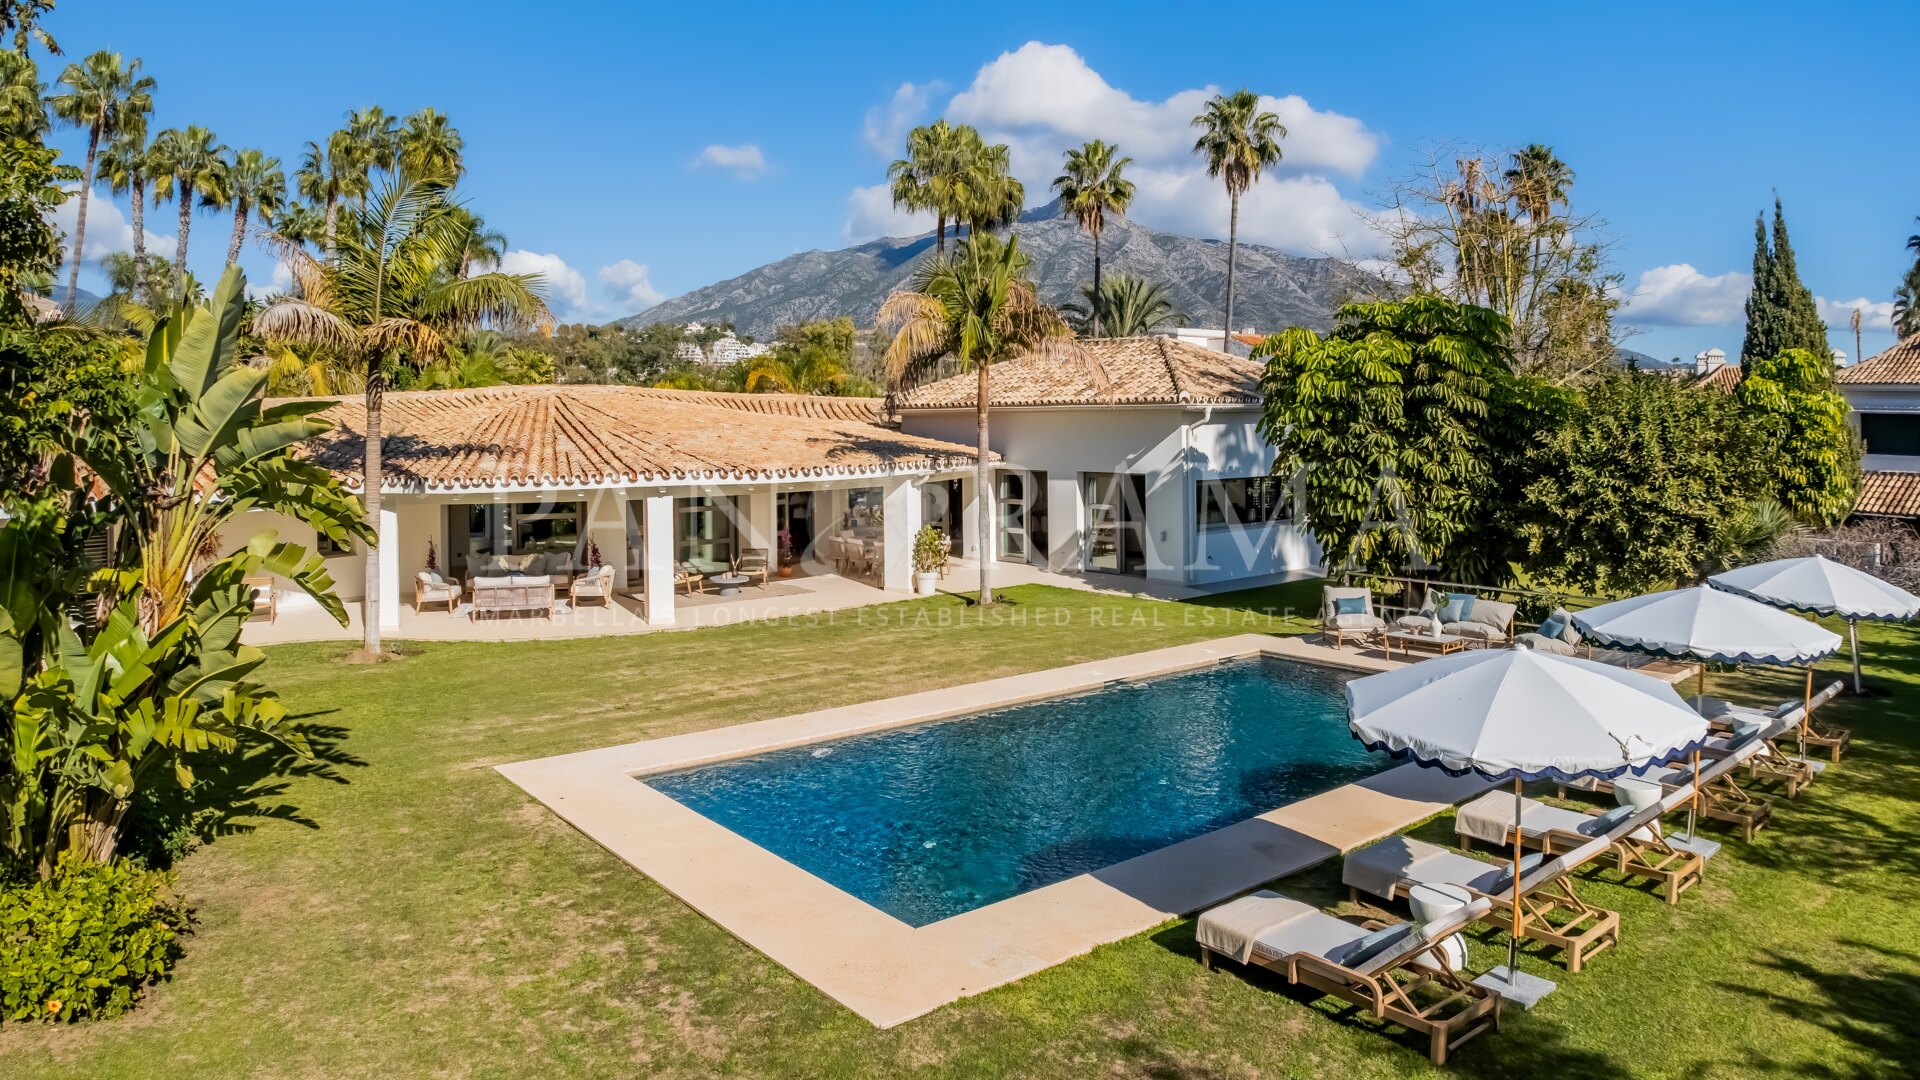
108	229
565	287
887	125
633	292
871	214
1679	295
745	161
1041	99
278	282
1874	314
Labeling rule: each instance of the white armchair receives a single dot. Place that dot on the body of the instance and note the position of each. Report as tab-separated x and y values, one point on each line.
430	588
595	584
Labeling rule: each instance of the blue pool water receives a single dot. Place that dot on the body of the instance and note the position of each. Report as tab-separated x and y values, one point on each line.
929	821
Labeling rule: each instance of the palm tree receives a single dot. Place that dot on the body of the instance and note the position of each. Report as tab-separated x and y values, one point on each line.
1906	298
978	309
124	165
484	246
1091	187
1238	141
809	369
430	147
992	197
390	294
326	176
254	184
1126	306
373	142
103	94
300	223
186	162
932	177
23	107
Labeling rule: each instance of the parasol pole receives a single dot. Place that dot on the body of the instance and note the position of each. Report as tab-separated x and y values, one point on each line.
1853	650
1806	710
1693	804
1513	945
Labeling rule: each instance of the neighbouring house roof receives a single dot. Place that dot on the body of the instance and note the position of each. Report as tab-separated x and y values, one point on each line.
566	436
1889	494
1140	371
1723	378
1900	364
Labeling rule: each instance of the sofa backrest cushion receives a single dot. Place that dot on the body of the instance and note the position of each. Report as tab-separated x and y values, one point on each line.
1491	613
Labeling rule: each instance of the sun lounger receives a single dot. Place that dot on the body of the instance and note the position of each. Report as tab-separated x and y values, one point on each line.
1550	911
1643	852
1398	972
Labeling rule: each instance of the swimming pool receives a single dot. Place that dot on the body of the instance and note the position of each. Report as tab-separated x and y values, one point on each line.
930	821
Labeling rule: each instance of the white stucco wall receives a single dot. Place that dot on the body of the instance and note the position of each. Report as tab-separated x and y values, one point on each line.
1173	448
348	571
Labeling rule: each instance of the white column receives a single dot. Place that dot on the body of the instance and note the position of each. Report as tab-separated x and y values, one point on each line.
980	503
658	541
900	513
389	584
757	522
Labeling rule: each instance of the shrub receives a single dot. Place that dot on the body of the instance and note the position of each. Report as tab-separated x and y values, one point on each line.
87	940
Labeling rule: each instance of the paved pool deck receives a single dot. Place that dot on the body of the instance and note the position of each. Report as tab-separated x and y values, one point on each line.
889	972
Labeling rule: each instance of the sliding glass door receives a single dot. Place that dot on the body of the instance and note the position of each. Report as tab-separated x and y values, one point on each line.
1116	522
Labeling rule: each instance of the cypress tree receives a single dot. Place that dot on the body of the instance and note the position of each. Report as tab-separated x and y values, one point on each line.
1781	314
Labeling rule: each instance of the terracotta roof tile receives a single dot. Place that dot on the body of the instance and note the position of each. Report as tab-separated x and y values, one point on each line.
1141	371
1890	494
512	436
1900	364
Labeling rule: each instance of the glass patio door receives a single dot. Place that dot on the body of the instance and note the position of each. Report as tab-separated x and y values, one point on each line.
1116	525
1011	502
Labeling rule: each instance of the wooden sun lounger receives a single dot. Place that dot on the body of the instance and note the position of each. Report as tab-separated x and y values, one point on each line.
1551	912
1642	853
1407	982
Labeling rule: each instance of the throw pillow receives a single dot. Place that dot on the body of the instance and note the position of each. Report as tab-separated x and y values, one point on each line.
1350	605
1555	625
1457	607
1374	944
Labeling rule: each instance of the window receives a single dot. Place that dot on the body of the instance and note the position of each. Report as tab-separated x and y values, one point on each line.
704	531
1251	500
327	548
1890	433
545	527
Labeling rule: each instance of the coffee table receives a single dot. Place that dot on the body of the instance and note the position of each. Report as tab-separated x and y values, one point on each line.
729	583
1420	641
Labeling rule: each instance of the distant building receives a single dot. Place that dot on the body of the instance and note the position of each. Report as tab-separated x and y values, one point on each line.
1884	392
722	351
1243	340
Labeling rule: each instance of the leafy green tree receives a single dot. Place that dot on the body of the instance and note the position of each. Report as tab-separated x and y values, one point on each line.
392	294
185	162
23	106
1126	306
31	186
103	94
1383	424
1641	483
811	368
1239	141
21	18
1091	186
1815	457
974	310
251	183
1781	314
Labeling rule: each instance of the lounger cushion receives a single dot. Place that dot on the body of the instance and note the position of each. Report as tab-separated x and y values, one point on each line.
1233	928
1375	943
1601	824
1502	882
1545	644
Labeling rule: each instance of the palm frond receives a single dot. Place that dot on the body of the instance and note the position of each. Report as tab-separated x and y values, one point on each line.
303	322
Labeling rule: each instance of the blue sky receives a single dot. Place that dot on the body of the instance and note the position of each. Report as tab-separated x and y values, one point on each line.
635	152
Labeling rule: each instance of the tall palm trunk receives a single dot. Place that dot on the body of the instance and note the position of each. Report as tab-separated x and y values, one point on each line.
80	217
239	230
370	496
139	237
1233	245
982	494
333	213
940	245
180	249
1098	330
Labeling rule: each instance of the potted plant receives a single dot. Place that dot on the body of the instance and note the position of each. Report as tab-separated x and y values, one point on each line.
929	558
784	539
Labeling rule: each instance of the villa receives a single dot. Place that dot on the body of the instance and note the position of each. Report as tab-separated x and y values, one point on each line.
1884	392
1161	478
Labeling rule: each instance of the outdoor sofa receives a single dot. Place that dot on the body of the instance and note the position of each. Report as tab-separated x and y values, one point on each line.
1348	612
493	595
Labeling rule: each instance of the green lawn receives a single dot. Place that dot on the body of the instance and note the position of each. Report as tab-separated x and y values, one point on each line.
417	915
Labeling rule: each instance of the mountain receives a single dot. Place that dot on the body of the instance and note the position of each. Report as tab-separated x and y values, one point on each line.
1272	288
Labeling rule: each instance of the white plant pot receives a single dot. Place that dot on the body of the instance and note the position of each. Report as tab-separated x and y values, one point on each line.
923	584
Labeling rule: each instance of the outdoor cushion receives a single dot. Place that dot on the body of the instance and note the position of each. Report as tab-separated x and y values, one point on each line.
1555	624
1232	928
1605	823
1480	631
1491	613
1358	622
1374	944
1503	881
1458	608
1413	622
1547	644
1350	605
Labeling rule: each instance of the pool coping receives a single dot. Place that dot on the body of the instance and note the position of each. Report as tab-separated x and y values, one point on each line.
888	971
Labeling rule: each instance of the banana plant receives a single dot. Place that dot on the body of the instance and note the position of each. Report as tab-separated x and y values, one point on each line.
206	448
